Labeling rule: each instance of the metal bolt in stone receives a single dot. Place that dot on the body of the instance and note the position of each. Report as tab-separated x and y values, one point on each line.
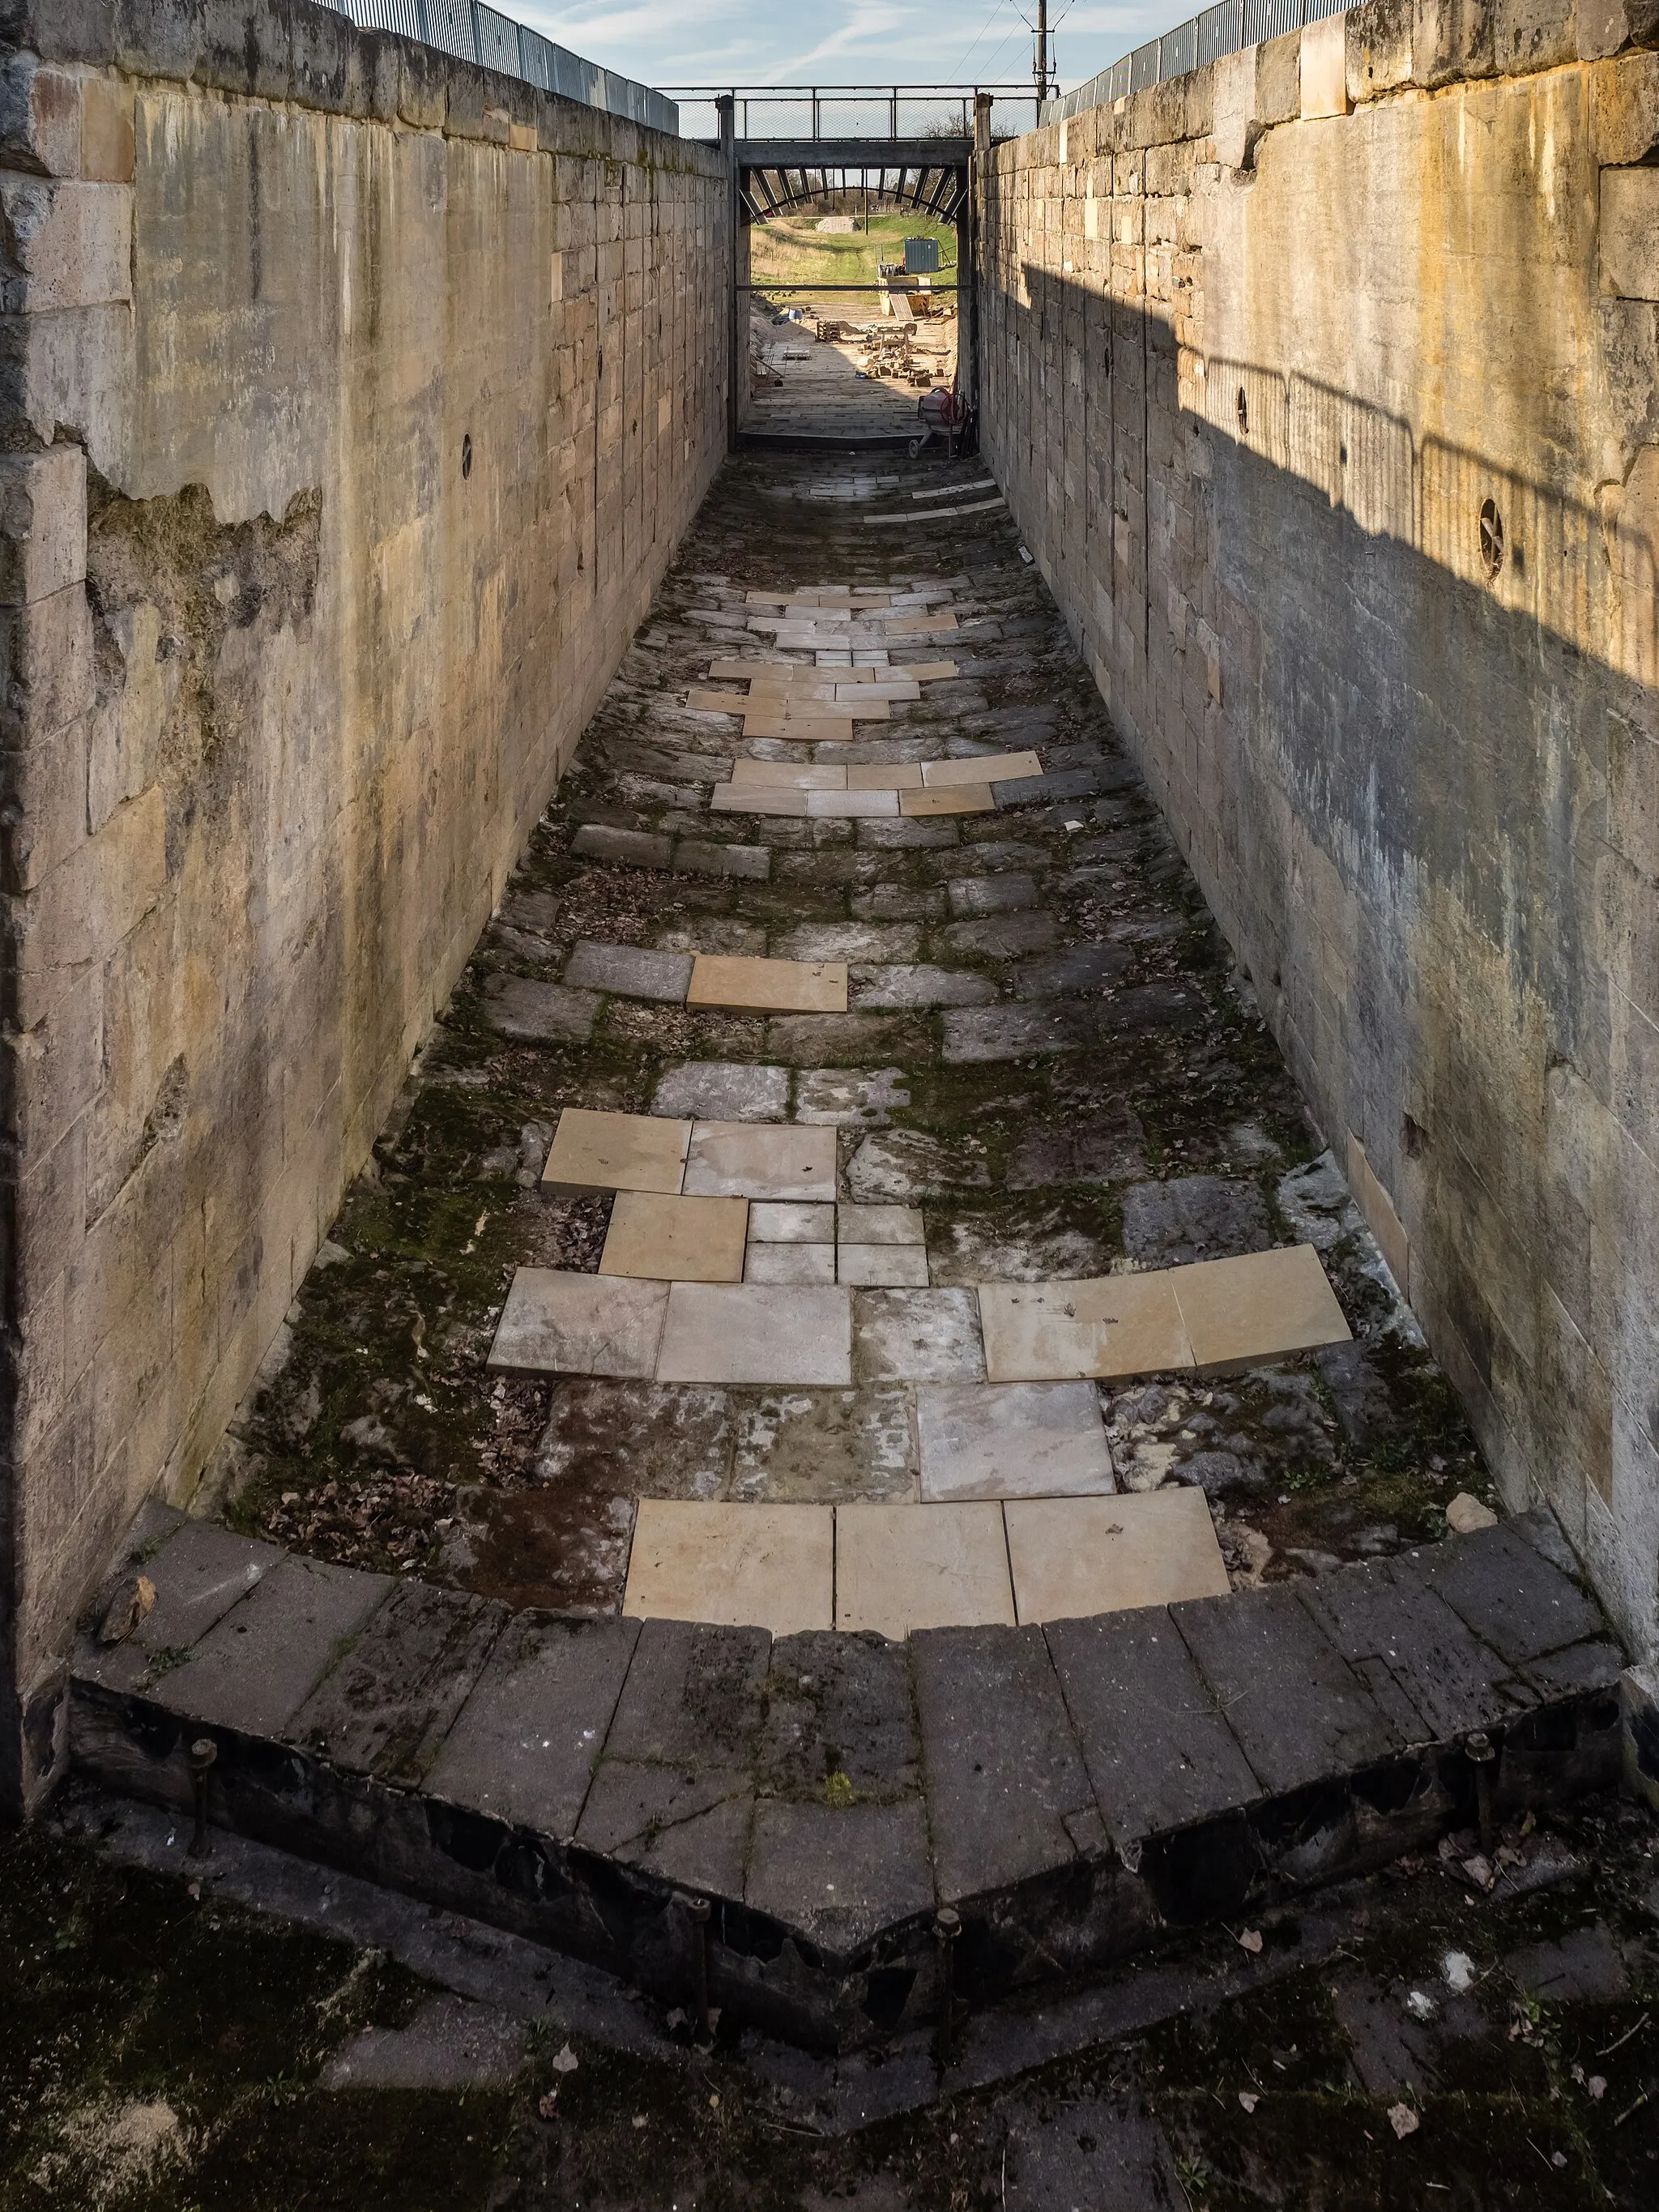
947	1926
698	1909
203	1753
1482	1755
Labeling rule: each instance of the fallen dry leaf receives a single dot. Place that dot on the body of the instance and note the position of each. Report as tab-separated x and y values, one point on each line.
1248	2098
1250	1940
1403	2120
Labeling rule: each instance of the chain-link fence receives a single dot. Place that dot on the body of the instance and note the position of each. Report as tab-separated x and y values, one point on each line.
474	32
1201	39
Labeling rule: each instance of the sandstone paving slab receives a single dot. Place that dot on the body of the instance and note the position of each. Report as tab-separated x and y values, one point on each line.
850	805
790	1263
1002	1765
900	1567
524	1747
1515	1598
593	1153
740	1565
1300	1712
841	1874
721	1090
775	775
1075	1556
629	971
749	1159
893	775
880	1225
675	1239
980	769
1158	1750
974	1034
946	799
770	986
199	1572
804	729
823	1447
918	1336
255	1667
927	671
1011	1440
776	799
530	1013
1074	968
975	896
881	1265
1000	936
1258	1307
912	986
773	1222
741	1333
387	1706
1108	1327
555	1322
1385	1613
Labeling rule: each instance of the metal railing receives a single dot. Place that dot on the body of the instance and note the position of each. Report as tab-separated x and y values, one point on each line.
797	112
474	32
1191	45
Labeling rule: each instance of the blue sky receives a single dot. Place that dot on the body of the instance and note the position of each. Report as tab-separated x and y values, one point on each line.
667	42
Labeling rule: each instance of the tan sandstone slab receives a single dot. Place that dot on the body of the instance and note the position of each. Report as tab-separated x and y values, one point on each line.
772	776
865	803
764	1160
595	1152
789	1263
757	798
949	798
1011	1440
989	768
804	729
1260	1306
902	775
675	1239
772	987
1073	1557
1106	1326
799	1334
740	1566
900	1567
927	671
556	1324
881	1266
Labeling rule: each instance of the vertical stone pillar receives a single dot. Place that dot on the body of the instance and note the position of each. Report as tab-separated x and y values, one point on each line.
737	302
968	251
72	879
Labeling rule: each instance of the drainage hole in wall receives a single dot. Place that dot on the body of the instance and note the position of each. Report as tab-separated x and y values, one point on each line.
1244	412
1342	455
1492	539
466	454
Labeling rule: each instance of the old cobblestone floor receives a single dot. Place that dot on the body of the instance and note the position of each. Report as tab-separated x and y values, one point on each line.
1165	1128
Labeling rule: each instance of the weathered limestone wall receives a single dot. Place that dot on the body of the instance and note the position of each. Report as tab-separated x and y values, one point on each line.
352	401
1260	346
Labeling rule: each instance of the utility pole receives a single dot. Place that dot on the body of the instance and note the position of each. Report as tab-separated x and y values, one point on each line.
1040	66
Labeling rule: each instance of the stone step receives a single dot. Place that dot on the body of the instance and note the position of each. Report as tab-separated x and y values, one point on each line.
1076	1790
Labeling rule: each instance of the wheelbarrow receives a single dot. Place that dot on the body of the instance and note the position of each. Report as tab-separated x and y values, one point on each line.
944	415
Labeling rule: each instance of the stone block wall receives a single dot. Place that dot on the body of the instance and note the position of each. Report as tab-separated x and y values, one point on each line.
352	402
1324	383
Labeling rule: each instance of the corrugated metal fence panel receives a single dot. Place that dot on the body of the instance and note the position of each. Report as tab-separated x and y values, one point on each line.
1143	66
450	27
406	17
498	42
1270	19
1177	50
1121	73
1220	31
1316	8
535	59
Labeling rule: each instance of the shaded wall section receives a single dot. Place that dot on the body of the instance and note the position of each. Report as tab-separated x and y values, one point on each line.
1324	385
353	401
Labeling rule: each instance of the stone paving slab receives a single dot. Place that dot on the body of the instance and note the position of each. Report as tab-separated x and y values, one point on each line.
772	1223
531	1012
770	986
1259	1306
675	1239
873	1267
880	1225
559	1323
629	971
1112	1326
1011	1440
979	768
766	1566
781	775
255	1667
1075	1557
918	1336
210	1569
1500	1584
748	1159
907	985
901	1567
789	1263
754	1333
595	1152
722	1090
389	1705
524	1745
774	798
946	799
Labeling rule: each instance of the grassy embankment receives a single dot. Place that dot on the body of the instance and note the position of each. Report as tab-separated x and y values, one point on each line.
793	252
